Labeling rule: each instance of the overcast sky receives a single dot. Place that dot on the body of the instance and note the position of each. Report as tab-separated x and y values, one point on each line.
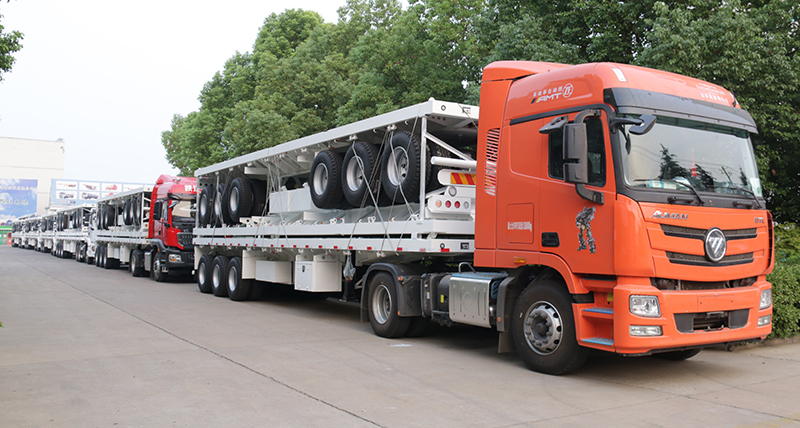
107	76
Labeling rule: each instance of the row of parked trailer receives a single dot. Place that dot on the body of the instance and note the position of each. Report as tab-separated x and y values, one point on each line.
580	207
149	229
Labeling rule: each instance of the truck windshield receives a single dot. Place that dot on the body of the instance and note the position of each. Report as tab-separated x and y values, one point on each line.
679	154
181	210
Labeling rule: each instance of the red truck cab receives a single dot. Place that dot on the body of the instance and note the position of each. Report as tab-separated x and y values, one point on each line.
171	221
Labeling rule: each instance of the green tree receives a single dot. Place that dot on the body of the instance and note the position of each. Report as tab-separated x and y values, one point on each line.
9	43
750	49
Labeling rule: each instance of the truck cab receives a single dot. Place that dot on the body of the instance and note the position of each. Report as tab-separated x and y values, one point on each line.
171	221
637	190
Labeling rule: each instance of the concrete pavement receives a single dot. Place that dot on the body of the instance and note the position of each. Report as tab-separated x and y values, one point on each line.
87	347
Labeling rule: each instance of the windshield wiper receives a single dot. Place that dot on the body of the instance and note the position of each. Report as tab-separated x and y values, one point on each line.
749	192
673	199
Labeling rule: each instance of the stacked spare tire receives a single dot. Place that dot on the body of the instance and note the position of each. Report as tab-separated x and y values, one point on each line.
368	176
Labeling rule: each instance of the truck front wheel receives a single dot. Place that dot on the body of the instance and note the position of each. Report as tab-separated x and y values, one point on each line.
382	306
157	272
543	328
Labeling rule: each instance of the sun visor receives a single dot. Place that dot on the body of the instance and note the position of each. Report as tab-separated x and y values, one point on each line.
638	101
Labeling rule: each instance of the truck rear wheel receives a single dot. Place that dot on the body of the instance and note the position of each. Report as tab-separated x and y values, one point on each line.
382	305
238	288
543	329
325	179
219	279
360	183
400	168
204	267
136	265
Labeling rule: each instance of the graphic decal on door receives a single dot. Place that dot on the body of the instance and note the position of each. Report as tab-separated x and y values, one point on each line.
584	223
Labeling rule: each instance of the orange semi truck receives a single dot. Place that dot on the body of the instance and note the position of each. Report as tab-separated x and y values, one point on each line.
597	206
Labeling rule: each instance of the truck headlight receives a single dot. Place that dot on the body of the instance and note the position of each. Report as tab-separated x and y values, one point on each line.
645	306
175	258
766	299
645	330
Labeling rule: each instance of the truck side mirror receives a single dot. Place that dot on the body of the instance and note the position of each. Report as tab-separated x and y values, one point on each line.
576	149
157	210
576	156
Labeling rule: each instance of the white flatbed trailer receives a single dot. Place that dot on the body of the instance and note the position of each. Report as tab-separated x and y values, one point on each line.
295	242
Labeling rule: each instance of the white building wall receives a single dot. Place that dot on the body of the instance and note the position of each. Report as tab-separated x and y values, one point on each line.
41	160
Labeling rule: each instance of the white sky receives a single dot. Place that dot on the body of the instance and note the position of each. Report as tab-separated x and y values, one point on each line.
107	76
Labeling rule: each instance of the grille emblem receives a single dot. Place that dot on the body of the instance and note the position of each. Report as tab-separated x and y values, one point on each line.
716	244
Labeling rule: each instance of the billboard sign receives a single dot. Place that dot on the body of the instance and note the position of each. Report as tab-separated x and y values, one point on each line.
17	198
79	192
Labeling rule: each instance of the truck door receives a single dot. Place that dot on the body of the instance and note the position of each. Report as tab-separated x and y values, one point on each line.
578	230
160	208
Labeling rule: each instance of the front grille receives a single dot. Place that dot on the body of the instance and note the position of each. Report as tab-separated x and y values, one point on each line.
695	233
710	321
185	239
695	260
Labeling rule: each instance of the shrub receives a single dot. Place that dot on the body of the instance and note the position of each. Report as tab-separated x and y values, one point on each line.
785	279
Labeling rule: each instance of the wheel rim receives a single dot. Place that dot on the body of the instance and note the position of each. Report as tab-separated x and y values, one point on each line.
201	273
203	202
382	304
397	170
157	267
354	173
233	279
215	276
543	329
218	206
320	179
234	200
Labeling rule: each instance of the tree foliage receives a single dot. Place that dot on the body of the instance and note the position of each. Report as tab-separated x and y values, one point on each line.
305	76
10	42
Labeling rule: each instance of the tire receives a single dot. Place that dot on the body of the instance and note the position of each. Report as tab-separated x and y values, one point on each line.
137	263
217	214
136	210
155	272
325	180
126	212
678	355
203	273
360	174
97	255
111	214
400	168
219	279
543	329
77	254
237	201
382	308
205	206
238	288
260	198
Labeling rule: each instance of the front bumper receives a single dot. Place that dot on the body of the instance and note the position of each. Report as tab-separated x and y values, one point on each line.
687	318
